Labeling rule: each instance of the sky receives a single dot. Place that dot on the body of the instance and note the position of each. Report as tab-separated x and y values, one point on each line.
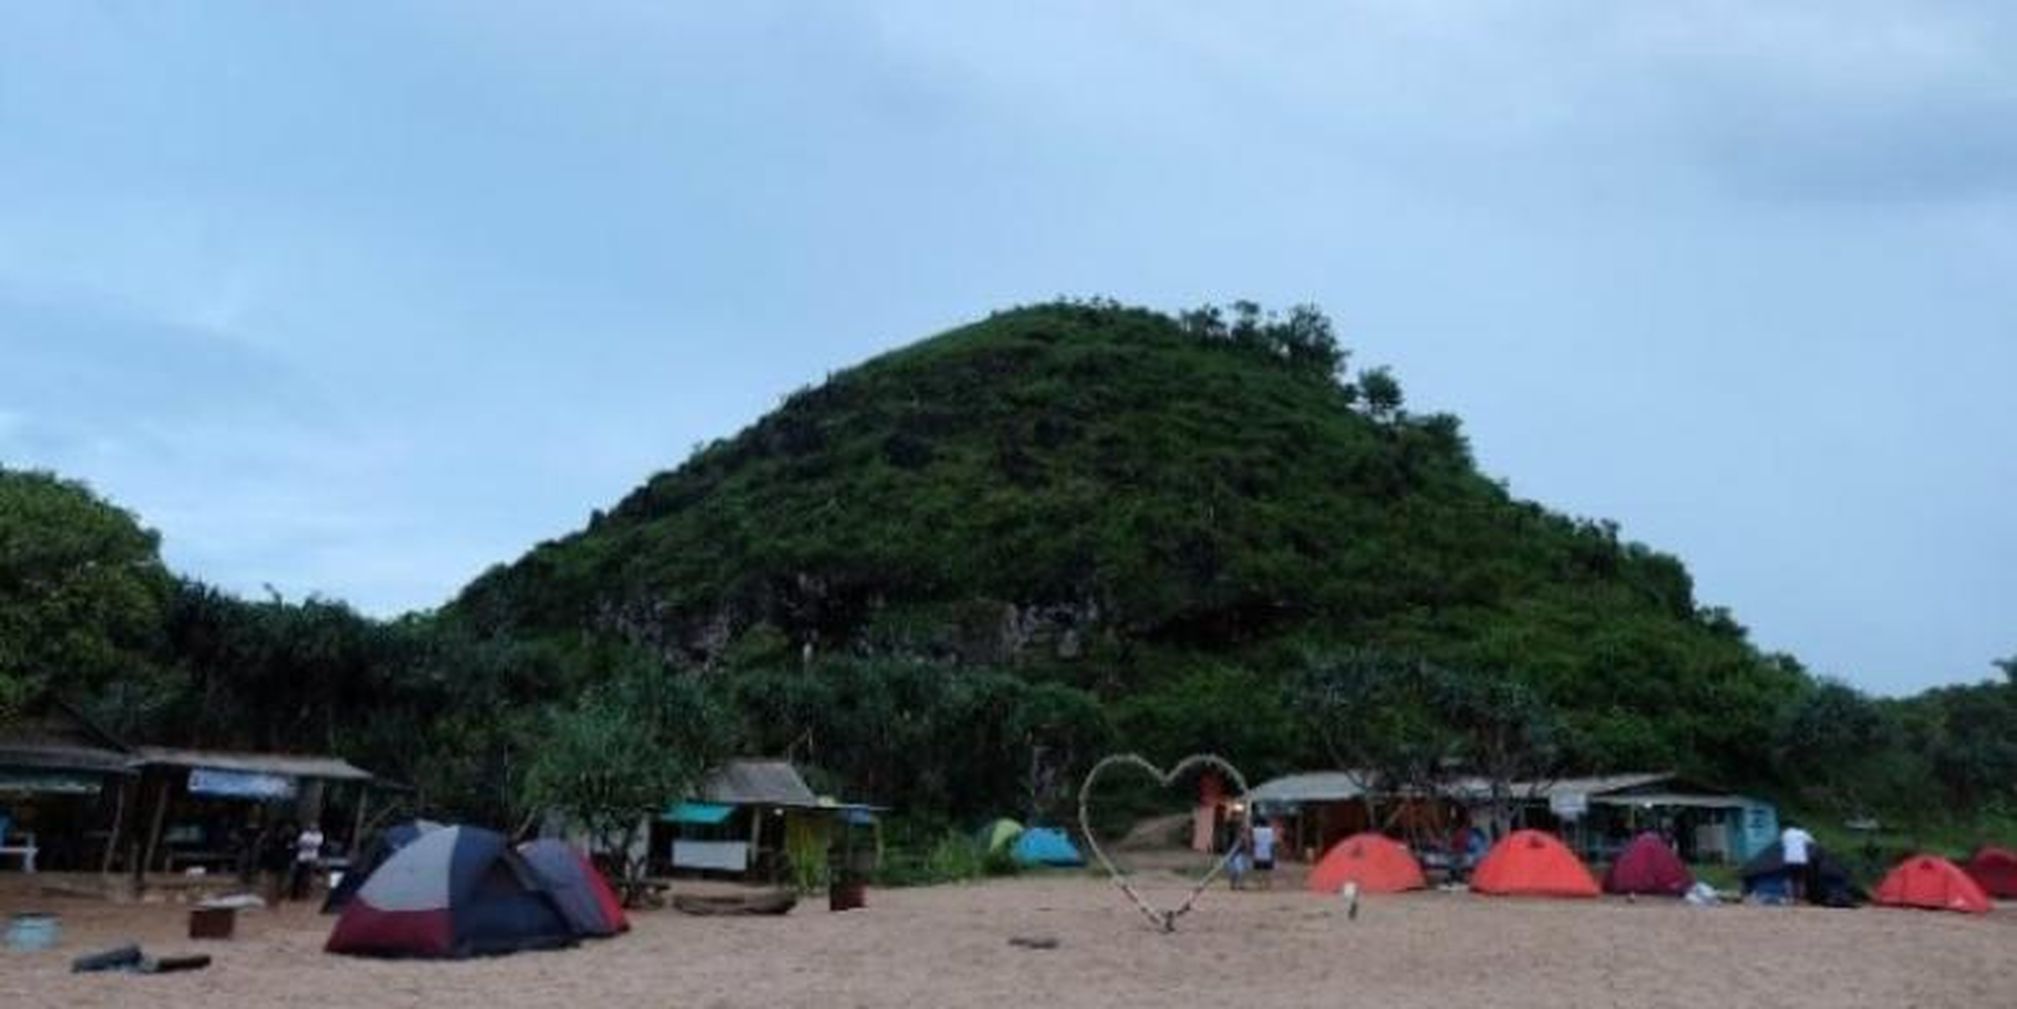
361	299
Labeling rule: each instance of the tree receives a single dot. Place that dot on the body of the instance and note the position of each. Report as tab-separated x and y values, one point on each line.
618	756
1507	733
1403	724
1379	718
1308	340
1381	392
1824	739
82	591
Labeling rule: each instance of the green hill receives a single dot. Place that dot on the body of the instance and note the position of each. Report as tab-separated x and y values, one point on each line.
1145	507
951	577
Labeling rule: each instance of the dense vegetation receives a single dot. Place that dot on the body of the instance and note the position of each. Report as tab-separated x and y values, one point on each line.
948	577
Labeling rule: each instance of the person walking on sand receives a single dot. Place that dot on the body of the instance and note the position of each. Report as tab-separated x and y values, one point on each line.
1796	848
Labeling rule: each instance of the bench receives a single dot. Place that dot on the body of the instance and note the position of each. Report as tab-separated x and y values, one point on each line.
23	847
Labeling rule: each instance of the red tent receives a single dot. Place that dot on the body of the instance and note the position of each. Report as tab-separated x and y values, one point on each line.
1378	863
1647	865
1996	870
1934	883
1531	863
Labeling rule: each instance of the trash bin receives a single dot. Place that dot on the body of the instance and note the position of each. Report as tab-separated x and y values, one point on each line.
213	922
846	893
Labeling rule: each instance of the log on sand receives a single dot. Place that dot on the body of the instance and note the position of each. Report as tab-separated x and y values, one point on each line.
773	902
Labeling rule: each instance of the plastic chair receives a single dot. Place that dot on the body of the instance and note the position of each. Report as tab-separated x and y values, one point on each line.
26	848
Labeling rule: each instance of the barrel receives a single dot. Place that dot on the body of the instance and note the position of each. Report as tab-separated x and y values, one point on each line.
33	930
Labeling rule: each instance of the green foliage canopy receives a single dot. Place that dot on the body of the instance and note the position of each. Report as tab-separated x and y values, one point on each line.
82	591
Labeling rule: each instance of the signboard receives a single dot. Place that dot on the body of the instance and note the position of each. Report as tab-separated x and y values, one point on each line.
726	856
240	784
1569	805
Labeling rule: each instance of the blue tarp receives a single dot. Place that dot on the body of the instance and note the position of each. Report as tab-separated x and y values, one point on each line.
1045	846
698	812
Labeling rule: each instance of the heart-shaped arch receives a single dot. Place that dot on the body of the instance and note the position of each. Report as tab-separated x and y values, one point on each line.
1161	918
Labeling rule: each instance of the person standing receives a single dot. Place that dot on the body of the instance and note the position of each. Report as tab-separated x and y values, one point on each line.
1238	862
276	855
1264	852
307	855
1796	850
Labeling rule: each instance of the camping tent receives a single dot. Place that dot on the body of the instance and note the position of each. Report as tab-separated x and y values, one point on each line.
1995	869
998	834
1766	875
1648	865
363	863
453	892
1377	863
583	896
1045	846
1531	863
1934	883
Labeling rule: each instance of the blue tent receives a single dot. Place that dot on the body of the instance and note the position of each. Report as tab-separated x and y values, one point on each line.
1769	877
1045	846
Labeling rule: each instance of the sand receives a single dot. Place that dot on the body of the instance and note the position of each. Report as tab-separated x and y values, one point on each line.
950	946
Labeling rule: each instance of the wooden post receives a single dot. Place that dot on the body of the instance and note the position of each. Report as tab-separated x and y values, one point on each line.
154	832
118	824
357	822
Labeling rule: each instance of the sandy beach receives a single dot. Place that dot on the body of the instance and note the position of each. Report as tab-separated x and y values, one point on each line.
949	946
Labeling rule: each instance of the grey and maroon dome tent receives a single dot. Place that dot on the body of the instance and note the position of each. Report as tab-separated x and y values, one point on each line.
453	892
583	896
370	857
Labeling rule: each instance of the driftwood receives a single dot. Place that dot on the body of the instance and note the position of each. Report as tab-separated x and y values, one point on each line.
771	902
130	959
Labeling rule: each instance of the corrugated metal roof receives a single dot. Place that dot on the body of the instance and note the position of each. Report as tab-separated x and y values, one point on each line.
1595	785
1675	799
1344	786
59	757
1313	786
757	783
291	765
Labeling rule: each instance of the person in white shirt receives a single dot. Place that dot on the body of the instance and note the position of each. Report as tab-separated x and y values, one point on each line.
1795	850
1264	852
307	852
